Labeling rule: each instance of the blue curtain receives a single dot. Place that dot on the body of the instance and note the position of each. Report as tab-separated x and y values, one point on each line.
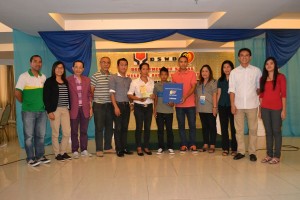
282	44
73	45
24	47
222	35
291	125
70	46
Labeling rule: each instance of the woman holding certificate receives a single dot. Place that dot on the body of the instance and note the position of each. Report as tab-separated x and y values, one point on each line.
141	92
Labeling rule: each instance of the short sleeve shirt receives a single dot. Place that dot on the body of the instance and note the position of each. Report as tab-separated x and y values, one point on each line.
32	91
100	81
206	90
188	78
161	107
224	99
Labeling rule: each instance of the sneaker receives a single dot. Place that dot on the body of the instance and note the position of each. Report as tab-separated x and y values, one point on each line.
193	149
99	154
160	151
59	157
183	149
86	153
65	156
171	151
33	163
44	160
75	155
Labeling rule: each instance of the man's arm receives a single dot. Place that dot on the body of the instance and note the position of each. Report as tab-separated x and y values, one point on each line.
233	108
19	95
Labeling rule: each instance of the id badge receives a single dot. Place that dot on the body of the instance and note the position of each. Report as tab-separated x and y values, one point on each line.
202	100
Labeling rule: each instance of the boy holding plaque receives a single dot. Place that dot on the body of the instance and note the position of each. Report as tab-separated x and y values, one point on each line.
163	112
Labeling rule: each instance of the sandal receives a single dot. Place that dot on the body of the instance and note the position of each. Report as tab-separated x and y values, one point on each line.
274	161
233	153
211	150
204	149
266	159
225	153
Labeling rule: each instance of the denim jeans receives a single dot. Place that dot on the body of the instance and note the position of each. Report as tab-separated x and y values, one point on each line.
190	112
272	122
209	128
226	117
121	126
143	116
163	119
34	127
103	118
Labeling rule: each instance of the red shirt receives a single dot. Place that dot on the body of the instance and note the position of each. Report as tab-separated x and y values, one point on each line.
188	78
272	99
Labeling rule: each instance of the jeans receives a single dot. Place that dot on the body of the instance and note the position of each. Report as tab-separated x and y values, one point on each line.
34	127
209	128
226	117
163	119
272	122
83	122
103	118
190	112
121	126
143	116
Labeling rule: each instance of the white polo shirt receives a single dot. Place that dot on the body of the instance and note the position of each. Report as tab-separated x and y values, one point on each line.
137	85
244	82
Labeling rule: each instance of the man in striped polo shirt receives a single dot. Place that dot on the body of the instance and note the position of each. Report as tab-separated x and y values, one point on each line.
102	108
29	92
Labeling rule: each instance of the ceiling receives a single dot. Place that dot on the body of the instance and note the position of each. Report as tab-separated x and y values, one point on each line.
32	16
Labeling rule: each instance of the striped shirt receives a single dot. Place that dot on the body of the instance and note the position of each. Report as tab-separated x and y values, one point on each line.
100	81
63	99
79	90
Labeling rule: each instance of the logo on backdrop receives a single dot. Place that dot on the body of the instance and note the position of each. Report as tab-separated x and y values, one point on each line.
190	56
140	58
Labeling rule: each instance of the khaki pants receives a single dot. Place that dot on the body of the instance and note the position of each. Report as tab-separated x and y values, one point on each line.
62	118
239	122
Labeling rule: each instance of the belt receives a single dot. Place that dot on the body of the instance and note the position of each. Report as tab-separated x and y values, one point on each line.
143	105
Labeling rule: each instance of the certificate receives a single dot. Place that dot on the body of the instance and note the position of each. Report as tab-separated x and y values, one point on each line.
172	92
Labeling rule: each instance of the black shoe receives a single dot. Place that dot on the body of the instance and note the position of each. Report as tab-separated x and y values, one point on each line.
125	151
253	157
59	158
140	154
148	152
66	156
120	154
238	156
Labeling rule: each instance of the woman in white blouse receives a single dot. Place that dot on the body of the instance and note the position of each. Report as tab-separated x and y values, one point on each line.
141	92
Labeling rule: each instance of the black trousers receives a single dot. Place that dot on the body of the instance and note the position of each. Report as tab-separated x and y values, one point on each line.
162	120
209	128
103	118
226	116
121	126
143	117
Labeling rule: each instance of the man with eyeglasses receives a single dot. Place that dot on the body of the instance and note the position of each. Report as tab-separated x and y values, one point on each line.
102	108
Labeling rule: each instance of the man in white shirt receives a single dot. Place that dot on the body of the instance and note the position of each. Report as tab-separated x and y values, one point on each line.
244	89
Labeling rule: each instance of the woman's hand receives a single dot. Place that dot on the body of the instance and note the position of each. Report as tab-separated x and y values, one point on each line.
51	116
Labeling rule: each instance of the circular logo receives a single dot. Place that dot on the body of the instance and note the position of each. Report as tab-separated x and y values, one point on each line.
190	56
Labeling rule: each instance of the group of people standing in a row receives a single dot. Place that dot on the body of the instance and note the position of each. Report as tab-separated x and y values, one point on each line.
71	102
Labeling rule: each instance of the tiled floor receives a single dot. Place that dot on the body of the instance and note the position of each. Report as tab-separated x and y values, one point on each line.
201	176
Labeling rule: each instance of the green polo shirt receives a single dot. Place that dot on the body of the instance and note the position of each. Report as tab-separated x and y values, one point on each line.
32	91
